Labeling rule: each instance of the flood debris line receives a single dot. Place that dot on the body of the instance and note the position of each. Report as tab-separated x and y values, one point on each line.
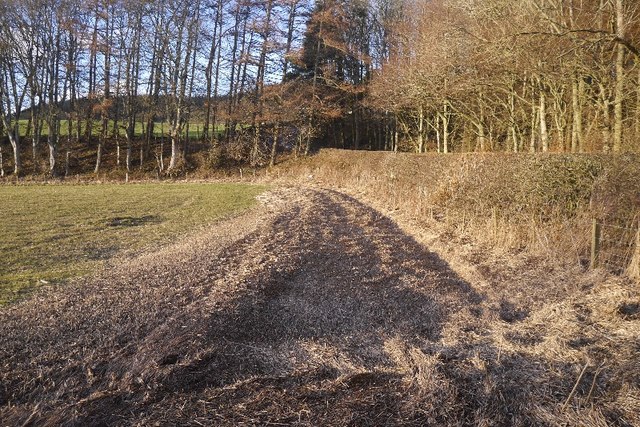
316	309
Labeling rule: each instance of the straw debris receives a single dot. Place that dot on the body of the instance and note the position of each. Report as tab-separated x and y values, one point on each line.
319	309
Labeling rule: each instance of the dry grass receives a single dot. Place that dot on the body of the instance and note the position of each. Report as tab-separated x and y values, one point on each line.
318	309
540	203
560	345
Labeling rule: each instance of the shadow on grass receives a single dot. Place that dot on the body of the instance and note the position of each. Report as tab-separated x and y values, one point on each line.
130	221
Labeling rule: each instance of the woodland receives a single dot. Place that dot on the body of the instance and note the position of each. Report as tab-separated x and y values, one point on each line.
254	78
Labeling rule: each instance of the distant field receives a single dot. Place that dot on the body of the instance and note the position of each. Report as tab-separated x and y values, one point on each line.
51	233
195	129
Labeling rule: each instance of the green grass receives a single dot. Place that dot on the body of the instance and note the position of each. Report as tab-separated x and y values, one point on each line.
50	233
195	129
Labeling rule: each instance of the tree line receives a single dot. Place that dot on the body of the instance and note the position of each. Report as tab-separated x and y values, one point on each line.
531	75
259	76
94	71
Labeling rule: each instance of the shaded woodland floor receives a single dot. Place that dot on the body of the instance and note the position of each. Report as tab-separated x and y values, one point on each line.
317	309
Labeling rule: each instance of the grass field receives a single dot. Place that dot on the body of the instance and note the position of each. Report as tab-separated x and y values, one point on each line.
195	129
52	233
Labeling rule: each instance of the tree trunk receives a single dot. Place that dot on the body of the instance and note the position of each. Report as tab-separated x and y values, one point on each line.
445	129
544	132
194	38
13	133
174	151
291	21
605	107
128	157
619	91
96	170
307	147
298	148
396	134
213	55
107	89
93	70
274	146
482	138
576	128
356	130
17	161
118	150
232	85
35	138
255	150
560	120
216	83
52	157
513	132
161	160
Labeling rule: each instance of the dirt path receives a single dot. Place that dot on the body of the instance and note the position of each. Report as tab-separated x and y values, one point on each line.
313	309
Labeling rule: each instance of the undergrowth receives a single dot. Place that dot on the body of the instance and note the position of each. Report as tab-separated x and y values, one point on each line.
544	204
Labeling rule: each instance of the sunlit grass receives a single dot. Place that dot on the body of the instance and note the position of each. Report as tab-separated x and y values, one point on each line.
49	233
159	129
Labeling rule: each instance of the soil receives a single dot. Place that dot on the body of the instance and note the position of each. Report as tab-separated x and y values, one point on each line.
318	309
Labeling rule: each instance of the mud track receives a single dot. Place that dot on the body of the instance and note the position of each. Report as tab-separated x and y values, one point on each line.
313	309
